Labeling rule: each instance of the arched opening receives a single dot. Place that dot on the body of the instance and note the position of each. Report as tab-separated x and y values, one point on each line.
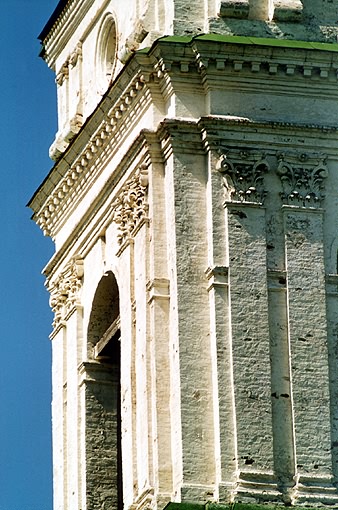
106	52
103	399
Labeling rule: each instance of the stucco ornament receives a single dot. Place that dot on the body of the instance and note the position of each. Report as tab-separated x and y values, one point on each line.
65	292
131	205
243	176
302	179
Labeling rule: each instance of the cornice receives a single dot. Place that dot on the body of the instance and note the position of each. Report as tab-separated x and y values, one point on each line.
85	234
63	28
150	73
183	135
212	55
52	19
73	174
280	134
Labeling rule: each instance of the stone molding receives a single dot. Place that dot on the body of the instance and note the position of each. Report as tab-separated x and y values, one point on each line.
232	56
302	177
109	131
262	484
70	62
63	74
145	501
218	276
96	372
243	175
142	77
65	291
158	288
63	28
131	205
332	285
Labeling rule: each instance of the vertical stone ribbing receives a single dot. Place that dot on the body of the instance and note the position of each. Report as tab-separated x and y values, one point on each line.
217	276
174	348
159	334
126	288
159	346
282	413
332	319
193	326
58	418
74	336
221	351
141	372
250	345
308	335
220	326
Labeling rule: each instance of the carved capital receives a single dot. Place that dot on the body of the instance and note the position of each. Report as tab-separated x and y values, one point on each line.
65	292
302	177
243	175
131	206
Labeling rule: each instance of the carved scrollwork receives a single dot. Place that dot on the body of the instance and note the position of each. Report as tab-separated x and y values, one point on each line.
63	74
302	177
75	55
65	292
131	206
243	173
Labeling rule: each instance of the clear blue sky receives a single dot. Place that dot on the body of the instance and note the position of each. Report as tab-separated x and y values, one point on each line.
27	128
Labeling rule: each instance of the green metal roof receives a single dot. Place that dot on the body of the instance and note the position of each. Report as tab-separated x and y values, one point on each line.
254	41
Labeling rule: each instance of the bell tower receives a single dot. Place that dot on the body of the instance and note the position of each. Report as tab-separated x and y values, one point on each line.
193	206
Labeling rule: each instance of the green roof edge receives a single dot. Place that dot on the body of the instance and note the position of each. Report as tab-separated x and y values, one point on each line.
259	41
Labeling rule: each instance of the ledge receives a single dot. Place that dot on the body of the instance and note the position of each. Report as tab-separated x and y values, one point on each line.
259	41
234	506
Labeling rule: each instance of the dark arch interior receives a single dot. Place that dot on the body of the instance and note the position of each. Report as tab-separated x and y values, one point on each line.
104	347
105	310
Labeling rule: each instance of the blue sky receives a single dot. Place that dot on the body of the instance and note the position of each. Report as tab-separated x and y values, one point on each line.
27	128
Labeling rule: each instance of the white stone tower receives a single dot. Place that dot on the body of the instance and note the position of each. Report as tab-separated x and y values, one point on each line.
193	204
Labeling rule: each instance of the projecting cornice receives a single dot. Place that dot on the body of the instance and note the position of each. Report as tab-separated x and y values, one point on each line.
77	169
61	26
212	53
147	82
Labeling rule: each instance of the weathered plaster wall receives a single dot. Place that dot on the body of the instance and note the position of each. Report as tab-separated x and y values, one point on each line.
203	188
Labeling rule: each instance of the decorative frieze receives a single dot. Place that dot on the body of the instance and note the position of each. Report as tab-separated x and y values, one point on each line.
243	175
302	177
62	195
131	206
156	69
65	291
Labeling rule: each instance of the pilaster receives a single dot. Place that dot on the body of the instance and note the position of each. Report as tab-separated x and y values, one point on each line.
189	177
67	335
245	193
303	182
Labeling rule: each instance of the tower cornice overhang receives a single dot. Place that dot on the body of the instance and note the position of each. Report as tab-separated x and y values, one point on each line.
61	26
52	19
158	73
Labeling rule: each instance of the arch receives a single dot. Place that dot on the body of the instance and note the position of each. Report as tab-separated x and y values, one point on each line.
105	310
106	51
103	399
